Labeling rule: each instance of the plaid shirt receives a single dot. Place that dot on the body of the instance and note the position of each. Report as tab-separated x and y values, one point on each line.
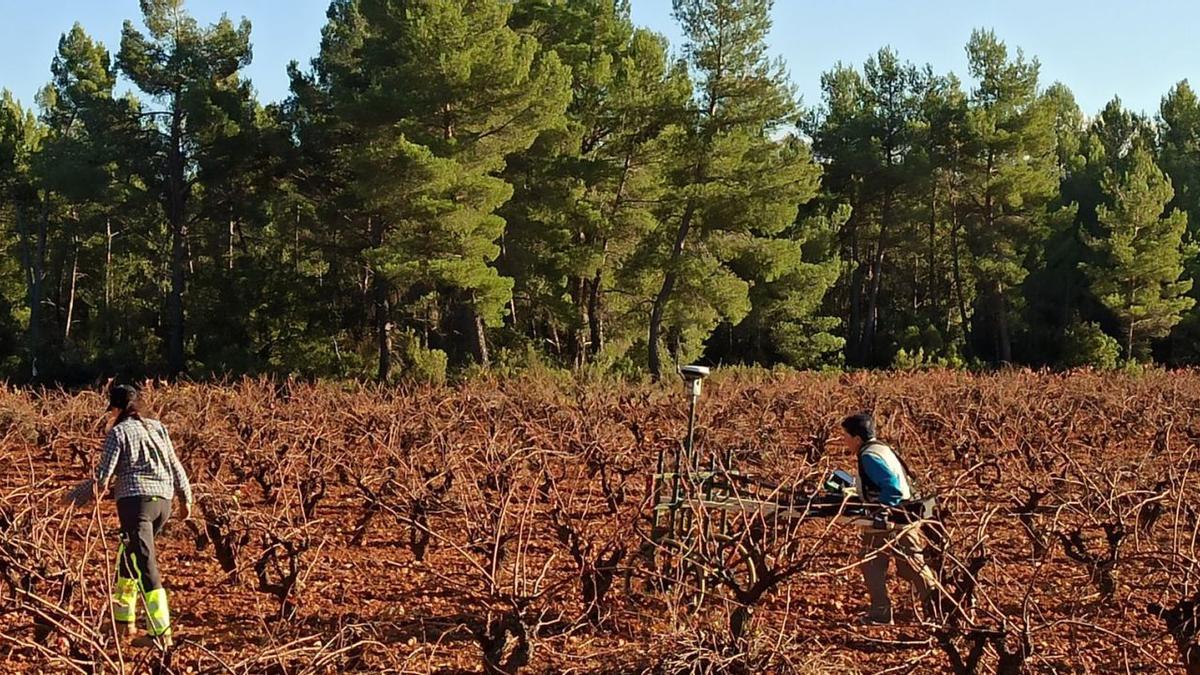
143	465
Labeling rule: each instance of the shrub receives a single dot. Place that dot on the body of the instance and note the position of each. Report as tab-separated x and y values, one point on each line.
423	365
1086	344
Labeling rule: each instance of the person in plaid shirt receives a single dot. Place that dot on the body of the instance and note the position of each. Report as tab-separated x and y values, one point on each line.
139	464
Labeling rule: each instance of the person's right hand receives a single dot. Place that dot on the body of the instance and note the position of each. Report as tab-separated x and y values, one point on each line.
187	510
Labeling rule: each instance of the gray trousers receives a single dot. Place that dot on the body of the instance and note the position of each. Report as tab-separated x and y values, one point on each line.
141	519
905	546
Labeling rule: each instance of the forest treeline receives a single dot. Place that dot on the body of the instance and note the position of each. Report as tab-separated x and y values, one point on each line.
456	183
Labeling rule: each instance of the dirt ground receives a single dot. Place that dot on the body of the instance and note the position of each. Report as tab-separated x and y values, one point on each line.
506	526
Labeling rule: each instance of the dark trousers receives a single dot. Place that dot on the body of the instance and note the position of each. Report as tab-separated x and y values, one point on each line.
141	519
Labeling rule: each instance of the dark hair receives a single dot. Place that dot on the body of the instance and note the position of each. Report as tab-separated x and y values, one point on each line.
124	398
861	425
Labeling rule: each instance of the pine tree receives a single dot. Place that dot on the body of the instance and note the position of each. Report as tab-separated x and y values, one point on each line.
428	99
327	215
1179	149
24	234
1010	178
195	72
80	179
867	136
584	193
247	285
791	274
734	184
1059	292
940	137
459	180
1141	248
1179	156
1056	291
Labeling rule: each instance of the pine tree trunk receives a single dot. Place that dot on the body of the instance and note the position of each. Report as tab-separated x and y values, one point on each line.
296	243
656	315
1003	334
760	343
383	307
38	290
177	218
383	328
932	285
1003	344
664	293
867	354
595	297
71	292
479	344
595	320
108	242
577	346
958	283
552	331
854	330
675	343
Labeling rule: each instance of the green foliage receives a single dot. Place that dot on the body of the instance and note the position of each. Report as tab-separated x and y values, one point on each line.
1179	156
735	187
541	185
1010	178
422	365
20	136
905	361
1140	251
1085	344
870	132
920	359
203	129
585	192
1179	142
422	181
790	277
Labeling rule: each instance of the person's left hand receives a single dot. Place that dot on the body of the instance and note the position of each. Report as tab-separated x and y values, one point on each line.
82	494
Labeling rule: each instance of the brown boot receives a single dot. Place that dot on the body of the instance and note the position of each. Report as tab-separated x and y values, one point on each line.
876	617
163	642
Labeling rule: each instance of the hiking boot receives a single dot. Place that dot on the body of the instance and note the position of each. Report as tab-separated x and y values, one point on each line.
163	642
125	629
876	617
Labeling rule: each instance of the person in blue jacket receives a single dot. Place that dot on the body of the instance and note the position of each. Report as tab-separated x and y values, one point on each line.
884	479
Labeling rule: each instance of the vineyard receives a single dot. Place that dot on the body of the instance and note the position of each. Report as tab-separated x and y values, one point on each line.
503	526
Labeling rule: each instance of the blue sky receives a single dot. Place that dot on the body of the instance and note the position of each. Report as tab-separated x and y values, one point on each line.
1099	47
